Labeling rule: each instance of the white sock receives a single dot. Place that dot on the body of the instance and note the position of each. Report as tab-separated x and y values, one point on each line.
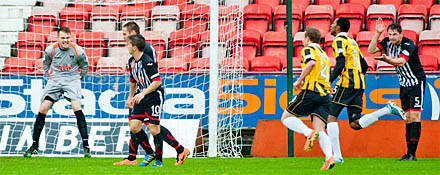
326	147
295	124
333	134
370	118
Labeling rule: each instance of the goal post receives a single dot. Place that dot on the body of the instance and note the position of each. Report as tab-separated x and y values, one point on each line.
199	55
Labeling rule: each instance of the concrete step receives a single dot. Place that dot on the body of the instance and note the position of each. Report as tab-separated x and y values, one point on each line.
2	63
5	50
18	2
8	37
11	25
10	12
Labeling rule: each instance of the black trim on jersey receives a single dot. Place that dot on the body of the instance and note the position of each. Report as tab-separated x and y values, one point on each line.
350	78
340	64
307	52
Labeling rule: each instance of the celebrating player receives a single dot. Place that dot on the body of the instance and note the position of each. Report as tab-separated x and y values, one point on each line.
402	54
314	98
131	28
61	61
350	68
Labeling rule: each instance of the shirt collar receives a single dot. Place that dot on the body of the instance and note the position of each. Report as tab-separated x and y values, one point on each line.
314	44
342	33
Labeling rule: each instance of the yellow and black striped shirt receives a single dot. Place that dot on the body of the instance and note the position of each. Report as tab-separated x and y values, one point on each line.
351	75
318	79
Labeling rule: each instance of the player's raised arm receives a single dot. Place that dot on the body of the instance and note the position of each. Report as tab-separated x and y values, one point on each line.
380	28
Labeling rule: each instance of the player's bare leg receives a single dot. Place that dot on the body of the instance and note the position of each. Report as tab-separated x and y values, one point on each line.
82	126
38	127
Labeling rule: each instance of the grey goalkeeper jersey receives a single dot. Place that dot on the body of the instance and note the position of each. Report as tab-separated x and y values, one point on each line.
64	65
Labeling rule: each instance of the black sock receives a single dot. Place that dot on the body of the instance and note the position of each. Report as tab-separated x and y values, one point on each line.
82	127
38	127
158	142
408	136
169	138
133	147
146	144
142	138
415	136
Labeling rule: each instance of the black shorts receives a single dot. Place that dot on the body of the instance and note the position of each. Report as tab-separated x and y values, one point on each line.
310	103
147	111
347	97
412	97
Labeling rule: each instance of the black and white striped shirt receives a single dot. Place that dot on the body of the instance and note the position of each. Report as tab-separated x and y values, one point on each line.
411	73
143	72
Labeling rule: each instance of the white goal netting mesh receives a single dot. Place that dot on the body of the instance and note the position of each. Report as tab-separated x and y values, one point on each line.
179	31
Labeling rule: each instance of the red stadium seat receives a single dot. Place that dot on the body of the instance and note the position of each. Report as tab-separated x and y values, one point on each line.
30	45
104	19
333	3
298	44
434	17
173	65
395	3
111	65
371	63
75	18
195	16
429	43
93	45
279	18
382	66
301	4
354	13
222	44
266	63
428	3
319	16
19	65
199	64
117	45
363	39
43	20
159	41
386	12
118	5
136	13
411	35
296	64
365	3
429	63
275	44
86	4
175	2
328	40
228	18
53	37
257	17
272	3
165	18
332	61
235	64
251	43
412	17
184	43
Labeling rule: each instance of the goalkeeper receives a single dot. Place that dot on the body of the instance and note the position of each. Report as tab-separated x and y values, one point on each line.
61	63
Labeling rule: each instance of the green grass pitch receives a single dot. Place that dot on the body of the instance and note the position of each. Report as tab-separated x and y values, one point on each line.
83	166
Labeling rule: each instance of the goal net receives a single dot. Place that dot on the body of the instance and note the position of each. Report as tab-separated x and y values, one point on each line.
198	49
